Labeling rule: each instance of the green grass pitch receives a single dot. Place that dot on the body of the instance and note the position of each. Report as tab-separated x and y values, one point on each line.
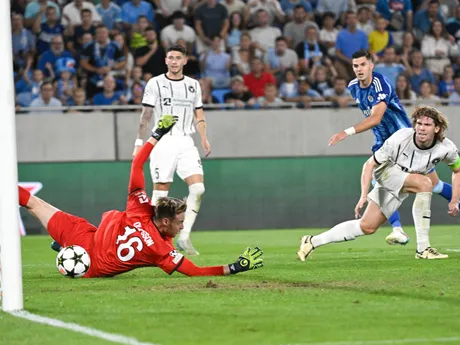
350	293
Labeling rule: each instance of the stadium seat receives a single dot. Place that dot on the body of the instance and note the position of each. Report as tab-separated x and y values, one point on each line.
220	93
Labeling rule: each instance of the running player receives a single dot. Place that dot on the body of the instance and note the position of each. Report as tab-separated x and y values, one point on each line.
173	93
140	236
401	166
385	115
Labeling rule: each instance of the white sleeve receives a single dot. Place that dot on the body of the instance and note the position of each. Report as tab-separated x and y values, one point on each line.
452	159
198	101
383	154
150	93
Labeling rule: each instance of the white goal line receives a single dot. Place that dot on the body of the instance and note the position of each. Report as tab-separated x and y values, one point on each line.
114	338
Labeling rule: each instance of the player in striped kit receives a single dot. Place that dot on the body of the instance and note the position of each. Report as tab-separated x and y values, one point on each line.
173	93
385	115
401	166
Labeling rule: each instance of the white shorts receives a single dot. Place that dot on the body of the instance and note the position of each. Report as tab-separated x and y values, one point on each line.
174	153
387	192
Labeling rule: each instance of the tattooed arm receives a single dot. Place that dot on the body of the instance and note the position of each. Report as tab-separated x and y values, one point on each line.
146	116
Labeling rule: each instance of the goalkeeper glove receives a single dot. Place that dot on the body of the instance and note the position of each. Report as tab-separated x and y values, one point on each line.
249	260
164	126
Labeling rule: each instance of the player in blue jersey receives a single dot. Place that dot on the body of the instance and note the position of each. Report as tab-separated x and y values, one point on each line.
384	114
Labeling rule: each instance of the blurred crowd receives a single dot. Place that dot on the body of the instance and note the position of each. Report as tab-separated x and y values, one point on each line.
252	54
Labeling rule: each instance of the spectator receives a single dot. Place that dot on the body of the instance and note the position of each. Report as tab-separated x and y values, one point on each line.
86	27
255	80
23	43
151	57
78	99
215	66
453	24
288	88
46	99
270	96
306	94
234	33
289	6
18	6
66	80
310	51
242	55
131	10
178	30
403	88
380	38
408	45
47	62
454	98
166	8
272	7
239	96
28	89
339	95
137	32
424	19
418	73
388	67
72	13
365	22
206	94
426	91
349	40
399	15
294	31
328	34
264	34
436	48
321	80
110	14
235	6
211	19
109	96
38	8
47	30
280	58
134	77
100	58
137	92
338	7
192	68
446	85
120	75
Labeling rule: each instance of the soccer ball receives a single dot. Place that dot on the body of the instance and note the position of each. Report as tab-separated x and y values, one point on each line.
73	261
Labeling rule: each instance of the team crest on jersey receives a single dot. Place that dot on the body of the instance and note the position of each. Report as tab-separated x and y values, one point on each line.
436	161
191	89
370	98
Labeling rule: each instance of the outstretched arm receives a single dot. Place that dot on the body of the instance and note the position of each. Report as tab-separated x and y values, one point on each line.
136	179
146	116
366	178
249	260
373	120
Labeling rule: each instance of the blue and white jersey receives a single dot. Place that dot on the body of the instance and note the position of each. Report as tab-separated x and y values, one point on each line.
380	90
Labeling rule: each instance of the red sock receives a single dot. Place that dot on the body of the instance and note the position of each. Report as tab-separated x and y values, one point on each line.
24	196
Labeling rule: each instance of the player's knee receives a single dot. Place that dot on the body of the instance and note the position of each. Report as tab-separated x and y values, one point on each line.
367	227
196	189
425	184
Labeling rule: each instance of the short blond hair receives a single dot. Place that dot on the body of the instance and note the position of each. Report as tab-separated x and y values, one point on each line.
169	208
439	119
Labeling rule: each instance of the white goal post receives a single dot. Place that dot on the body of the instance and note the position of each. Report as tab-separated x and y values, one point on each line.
10	245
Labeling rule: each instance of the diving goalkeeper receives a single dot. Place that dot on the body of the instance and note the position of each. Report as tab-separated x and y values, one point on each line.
140	236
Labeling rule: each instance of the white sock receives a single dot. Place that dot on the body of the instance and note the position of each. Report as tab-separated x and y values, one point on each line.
421	211
196	192
346	231
157	194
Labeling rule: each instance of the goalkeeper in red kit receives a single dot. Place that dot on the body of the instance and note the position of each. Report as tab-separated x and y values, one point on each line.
140	236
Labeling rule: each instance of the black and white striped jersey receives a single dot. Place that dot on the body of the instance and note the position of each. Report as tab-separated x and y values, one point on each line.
174	97
402	150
